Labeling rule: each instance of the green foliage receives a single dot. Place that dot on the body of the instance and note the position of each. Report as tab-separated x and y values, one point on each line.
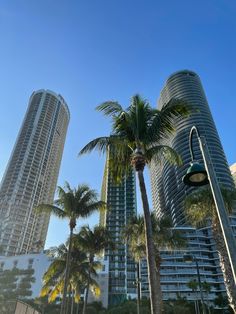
137	127
53	279
179	306
73	203
200	205
193	285
164	236
91	310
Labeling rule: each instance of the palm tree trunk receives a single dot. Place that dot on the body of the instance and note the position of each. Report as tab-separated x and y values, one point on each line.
138	286
86	298
68	300
87	287
77	308
208	304
67	270
154	280
224	264
196	305
72	302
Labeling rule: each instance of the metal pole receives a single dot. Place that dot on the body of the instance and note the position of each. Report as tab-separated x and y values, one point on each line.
200	286
219	202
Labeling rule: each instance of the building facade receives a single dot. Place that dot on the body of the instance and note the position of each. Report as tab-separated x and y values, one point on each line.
121	200
176	273
168	190
31	175
21	275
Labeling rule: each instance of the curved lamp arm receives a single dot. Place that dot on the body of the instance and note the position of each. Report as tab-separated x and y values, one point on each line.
193	129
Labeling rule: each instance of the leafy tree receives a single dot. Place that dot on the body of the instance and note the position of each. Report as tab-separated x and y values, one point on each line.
134	141
92	242
200	209
72	204
53	279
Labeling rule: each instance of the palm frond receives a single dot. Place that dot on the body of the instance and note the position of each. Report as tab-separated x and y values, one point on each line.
200	206
163	121
110	108
56	291
101	144
48	208
159	153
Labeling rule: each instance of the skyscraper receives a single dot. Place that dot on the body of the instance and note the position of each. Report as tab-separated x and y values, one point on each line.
31	174
168	190
121	200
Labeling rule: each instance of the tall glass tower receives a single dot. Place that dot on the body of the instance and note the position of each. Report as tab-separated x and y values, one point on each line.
168	190
121	200
31	174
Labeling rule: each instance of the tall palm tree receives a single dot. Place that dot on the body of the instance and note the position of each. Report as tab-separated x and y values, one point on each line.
72	204
134	140
200	209
92	242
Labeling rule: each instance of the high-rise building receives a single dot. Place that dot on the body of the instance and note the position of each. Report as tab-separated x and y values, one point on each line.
121	200
31	175
168	190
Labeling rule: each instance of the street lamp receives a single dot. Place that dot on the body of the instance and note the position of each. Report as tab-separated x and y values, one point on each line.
198	179
188	258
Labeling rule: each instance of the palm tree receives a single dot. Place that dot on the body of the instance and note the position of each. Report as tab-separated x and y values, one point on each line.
53	279
193	285
72	204
133	234
200	209
92	242
134	140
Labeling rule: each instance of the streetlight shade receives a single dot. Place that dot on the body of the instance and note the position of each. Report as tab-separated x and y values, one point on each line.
196	175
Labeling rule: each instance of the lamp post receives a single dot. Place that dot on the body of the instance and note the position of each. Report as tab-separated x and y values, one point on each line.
188	258
196	178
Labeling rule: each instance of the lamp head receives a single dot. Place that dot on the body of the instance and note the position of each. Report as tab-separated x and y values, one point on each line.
196	175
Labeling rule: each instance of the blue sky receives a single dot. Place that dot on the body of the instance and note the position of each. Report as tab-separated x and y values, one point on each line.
90	51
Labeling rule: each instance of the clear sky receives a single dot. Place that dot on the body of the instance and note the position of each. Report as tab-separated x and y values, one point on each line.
95	50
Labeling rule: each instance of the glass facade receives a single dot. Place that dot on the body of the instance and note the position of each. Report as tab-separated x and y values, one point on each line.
121	200
168	190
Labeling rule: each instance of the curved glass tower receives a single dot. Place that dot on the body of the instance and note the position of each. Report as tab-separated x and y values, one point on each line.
31	174
168	191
